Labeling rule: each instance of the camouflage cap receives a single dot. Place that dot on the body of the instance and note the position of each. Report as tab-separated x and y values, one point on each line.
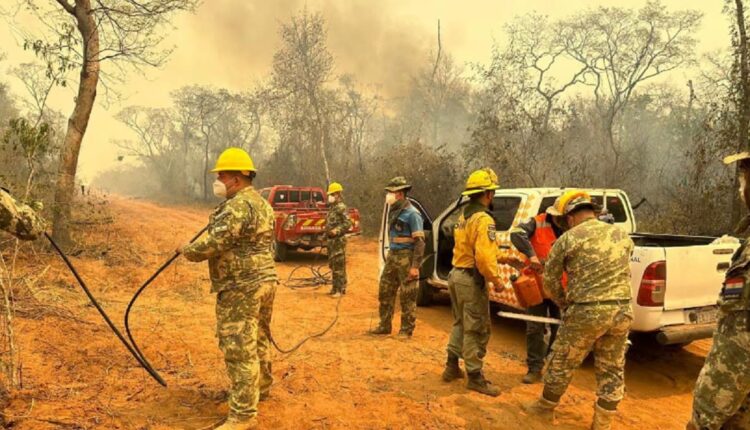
397	184
744	155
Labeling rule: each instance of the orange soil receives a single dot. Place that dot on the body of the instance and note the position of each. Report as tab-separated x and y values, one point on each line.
77	375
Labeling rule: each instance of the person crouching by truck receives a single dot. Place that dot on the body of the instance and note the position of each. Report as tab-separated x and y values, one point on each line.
534	238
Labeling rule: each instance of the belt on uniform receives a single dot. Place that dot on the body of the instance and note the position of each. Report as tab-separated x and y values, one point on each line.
604	302
391	250
402	239
474	272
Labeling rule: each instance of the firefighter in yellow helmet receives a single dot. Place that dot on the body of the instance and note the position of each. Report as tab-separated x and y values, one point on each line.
337	225
475	257
596	258
238	247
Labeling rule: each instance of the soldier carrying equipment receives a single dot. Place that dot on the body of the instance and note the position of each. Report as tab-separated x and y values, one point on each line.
238	247
598	315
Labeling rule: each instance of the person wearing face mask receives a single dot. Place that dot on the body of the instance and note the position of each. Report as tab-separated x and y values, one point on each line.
238	247
405	253
721	397
475	259
597	303
337	224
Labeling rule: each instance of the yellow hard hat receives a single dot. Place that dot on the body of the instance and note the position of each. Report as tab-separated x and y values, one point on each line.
568	201
480	181
234	160
335	187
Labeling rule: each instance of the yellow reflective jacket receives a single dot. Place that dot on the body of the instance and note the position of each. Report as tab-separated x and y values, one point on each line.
476	245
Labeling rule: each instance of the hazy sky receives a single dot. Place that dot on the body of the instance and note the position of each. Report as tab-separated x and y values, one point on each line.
230	43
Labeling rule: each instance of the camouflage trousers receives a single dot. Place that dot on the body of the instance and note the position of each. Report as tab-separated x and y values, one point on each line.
470	305
243	319
603	328
393	279
337	264
721	393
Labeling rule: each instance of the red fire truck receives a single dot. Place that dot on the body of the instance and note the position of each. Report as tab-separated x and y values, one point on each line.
301	218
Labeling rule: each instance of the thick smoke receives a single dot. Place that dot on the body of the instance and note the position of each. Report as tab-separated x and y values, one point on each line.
239	37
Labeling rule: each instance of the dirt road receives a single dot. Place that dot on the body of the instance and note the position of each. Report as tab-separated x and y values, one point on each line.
76	375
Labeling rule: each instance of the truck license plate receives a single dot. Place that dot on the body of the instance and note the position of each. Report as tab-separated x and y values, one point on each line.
704	316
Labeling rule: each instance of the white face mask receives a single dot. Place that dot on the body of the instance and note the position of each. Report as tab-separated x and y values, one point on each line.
220	190
331	199
390	198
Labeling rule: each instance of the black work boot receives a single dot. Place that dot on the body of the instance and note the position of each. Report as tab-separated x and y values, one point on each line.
477	383
404	334
380	331
452	369
532	377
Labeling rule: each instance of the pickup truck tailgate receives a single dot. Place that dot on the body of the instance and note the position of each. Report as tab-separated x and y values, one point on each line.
695	274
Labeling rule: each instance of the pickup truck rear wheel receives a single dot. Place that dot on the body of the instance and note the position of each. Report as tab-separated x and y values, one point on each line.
425	294
280	251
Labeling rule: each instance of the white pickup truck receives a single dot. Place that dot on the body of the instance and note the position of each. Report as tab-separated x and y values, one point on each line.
675	279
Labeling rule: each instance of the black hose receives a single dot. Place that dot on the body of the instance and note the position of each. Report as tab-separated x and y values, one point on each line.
138	293
317	280
104	315
312	336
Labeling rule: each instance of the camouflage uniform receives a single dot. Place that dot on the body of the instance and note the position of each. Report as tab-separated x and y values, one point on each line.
721	396
393	279
598	315
337	224
405	229
237	246
19	219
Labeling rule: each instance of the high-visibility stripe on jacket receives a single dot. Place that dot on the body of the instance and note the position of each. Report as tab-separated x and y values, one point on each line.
542	240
